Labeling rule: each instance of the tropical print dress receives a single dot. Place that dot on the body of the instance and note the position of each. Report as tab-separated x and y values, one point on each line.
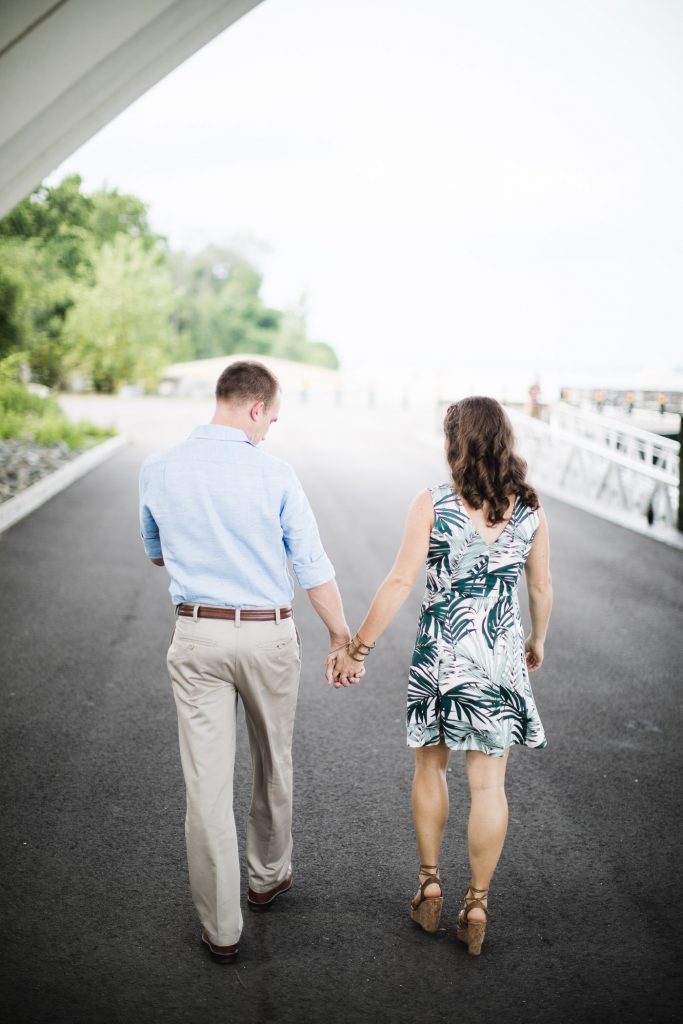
468	678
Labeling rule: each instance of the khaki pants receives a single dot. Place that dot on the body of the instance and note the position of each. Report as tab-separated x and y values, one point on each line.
211	663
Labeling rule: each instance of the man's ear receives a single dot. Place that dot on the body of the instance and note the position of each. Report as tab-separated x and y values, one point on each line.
256	408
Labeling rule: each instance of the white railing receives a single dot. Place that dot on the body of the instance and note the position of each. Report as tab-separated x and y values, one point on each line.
603	462
644	446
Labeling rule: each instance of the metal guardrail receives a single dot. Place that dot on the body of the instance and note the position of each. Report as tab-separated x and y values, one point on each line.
603	461
634	442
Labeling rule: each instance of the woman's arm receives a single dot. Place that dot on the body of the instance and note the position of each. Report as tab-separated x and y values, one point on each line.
540	589
393	592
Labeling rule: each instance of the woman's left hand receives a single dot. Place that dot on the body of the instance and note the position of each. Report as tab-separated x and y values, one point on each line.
343	670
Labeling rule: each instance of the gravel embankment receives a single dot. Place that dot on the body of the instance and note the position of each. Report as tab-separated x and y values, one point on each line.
23	463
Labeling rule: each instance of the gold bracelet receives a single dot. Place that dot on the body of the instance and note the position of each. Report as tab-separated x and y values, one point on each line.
356	647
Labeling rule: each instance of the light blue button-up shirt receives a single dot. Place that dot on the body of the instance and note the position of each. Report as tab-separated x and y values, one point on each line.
225	517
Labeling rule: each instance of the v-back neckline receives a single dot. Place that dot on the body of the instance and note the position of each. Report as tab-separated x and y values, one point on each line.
471	521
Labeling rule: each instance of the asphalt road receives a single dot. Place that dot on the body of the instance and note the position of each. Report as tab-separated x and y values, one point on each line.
97	920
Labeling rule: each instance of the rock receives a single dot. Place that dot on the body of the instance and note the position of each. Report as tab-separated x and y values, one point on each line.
23	463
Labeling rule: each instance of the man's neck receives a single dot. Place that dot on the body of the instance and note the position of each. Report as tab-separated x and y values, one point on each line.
226	416
228	421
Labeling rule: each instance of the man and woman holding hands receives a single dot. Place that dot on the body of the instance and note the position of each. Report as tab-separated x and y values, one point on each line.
225	518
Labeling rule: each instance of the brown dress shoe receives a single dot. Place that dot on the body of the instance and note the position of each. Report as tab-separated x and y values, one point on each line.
262	900
221	954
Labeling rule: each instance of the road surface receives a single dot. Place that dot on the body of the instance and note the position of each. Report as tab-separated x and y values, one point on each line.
98	924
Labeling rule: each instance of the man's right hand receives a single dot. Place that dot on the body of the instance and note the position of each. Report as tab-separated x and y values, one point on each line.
340	668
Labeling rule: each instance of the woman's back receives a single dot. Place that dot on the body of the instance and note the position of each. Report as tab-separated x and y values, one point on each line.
459	554
468	679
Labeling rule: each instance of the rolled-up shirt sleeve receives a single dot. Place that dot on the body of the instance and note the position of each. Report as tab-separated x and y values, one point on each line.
149	531
302	541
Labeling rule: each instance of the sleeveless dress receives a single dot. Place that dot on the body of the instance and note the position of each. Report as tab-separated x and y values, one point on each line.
468	678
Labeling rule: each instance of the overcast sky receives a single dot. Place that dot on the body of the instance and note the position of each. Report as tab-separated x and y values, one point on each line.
448	180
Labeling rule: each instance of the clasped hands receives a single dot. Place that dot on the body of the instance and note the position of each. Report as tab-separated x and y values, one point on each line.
340	668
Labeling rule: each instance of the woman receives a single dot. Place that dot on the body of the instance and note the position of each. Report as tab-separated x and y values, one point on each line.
469	678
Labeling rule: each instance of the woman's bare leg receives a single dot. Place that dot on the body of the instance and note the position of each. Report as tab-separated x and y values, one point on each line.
430	803
488	820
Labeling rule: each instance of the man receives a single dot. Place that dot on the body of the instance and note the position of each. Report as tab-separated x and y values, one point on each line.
223	518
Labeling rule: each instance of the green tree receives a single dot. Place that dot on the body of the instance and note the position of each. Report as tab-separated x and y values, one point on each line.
293	341
48	248
321	354
58	305
119	329
12	321
222	312
42	293
72	224
59	216
114	213
220	307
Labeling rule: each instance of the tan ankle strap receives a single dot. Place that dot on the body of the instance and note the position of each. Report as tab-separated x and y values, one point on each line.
429	875
475	901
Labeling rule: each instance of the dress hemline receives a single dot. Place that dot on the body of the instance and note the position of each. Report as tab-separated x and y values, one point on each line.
472	744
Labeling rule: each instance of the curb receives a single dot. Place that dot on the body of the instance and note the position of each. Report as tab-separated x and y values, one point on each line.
22	504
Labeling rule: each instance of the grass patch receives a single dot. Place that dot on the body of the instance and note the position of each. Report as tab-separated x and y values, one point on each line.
30	417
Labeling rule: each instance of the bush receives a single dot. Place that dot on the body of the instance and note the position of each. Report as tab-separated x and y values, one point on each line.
52	430
39	419
11	424
17	398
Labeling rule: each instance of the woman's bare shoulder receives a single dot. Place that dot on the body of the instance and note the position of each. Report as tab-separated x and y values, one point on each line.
421	511
423	503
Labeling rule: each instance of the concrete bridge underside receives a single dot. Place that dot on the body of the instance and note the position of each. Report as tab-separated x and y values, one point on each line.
68	67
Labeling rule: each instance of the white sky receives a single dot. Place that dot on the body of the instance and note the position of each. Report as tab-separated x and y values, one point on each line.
475	181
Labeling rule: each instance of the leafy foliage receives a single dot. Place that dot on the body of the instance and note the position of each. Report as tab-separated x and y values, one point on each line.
118	330
38	418
49	246
88	289
221	311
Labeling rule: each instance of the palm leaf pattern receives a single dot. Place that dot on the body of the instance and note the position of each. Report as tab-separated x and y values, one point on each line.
468	677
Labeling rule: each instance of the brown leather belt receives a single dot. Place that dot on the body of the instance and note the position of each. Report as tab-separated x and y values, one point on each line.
207	611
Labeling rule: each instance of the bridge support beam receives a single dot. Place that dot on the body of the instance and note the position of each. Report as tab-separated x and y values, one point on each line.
68	67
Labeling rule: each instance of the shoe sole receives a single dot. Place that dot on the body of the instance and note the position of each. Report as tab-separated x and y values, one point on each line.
428	913
220	958
268	903
472	936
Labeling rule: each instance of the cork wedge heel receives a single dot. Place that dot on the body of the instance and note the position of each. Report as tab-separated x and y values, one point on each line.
426	910
472	932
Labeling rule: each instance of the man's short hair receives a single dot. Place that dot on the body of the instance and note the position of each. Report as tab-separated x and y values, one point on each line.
245	381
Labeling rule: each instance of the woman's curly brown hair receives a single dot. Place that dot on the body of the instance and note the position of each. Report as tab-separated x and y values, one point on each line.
485	468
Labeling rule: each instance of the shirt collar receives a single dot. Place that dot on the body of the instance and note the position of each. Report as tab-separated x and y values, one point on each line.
219	432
